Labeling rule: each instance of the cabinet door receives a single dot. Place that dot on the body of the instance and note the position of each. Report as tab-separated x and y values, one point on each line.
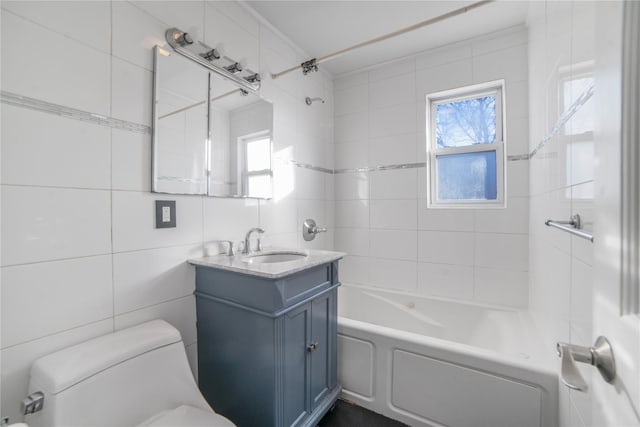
322	347
296	340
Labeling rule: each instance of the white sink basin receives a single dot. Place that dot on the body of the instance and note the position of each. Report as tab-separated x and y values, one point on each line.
275	257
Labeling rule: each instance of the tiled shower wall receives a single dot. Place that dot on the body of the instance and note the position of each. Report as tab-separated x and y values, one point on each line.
382	221
80	254
561	66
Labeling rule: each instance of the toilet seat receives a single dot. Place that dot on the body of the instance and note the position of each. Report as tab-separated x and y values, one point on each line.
187	416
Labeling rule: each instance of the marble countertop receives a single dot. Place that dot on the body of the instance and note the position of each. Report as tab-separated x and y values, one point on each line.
277	270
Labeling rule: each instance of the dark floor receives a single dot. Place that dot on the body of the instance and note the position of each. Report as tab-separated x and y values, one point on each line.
345	414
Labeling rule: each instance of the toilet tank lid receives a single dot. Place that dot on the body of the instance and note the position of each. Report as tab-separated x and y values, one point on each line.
60	370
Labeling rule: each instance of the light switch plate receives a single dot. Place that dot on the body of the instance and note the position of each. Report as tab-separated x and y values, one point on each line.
165	213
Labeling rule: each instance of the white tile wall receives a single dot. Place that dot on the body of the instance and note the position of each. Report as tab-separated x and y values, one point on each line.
394	120
506	251
352	213
501	286
87	22
133	221
53	290
41	224
393	244
392	91
381	215
396	149
217	213
245	45
446	247
78	66
394	214
351	186
135	33
393	184
560	287
148	277
393	274
132	87
351	127
58	152
81	255
131	160
453	281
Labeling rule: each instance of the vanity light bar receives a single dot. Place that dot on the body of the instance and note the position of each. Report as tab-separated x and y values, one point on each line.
179	40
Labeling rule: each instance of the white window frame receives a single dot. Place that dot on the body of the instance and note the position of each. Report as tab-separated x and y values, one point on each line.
497	88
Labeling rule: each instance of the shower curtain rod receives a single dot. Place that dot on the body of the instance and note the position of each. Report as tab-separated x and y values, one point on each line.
312	64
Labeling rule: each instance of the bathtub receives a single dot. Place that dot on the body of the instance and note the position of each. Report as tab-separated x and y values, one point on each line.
436	362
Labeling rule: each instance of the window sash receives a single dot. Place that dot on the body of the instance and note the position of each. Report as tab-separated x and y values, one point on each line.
435	101
433	201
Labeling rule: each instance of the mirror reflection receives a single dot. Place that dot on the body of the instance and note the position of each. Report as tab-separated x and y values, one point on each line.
180	125
210	137
241	133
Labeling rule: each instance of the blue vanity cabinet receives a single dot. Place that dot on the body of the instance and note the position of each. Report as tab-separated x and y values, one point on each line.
267	348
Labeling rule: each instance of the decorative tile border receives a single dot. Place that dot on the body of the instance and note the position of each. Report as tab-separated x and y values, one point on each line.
381	168
179	179
10	98
517	157
309	166
70	113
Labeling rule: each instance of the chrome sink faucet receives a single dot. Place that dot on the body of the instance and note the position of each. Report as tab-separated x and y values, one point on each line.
247	242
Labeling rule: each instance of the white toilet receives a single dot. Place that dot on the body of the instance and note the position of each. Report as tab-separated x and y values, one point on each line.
134	377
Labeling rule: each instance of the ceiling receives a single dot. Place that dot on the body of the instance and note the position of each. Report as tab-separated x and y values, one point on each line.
322	27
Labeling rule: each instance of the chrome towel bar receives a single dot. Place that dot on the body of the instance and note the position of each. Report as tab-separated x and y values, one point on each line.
572	227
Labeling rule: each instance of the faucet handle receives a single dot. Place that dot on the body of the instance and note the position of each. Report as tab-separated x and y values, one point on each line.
310	229
231	251
232	248
599	355
569	373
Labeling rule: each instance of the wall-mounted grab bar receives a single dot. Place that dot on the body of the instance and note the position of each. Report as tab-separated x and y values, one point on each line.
572	227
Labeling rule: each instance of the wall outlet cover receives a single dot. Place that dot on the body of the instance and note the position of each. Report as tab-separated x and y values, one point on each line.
165	213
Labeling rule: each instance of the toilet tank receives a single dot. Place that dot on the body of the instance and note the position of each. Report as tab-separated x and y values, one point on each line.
119	379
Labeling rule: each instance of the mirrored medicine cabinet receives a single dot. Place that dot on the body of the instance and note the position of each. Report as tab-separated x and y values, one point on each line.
210	137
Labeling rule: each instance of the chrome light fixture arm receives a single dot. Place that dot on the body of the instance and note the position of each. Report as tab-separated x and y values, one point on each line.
179	40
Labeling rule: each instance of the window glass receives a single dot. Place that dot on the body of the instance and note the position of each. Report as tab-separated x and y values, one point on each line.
466	122
259	155
468	176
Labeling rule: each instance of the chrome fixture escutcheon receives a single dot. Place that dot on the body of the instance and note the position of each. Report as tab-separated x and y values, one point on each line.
310	229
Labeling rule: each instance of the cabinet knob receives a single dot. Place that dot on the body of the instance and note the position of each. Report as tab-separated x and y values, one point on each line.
312	347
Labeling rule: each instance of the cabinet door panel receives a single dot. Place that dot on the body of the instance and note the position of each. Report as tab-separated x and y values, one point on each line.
296	334
319	358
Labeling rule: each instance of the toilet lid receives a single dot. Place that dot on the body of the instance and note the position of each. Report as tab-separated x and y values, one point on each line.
187	416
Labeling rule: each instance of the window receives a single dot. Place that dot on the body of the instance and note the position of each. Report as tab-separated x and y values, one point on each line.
256	171
465	147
